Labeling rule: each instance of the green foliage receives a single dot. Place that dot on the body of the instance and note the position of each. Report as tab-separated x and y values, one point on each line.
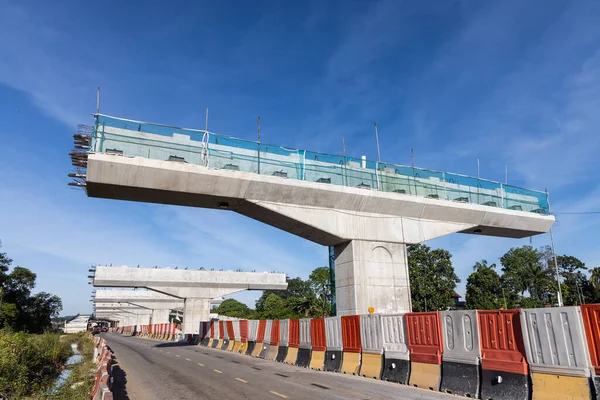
595	278
303	299
576	287
29	363
526	270
484	288
296	288
432	278
79	384
529	281
320	284
19	309
232	308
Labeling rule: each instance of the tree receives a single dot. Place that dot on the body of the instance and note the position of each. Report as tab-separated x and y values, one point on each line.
19	309
432	278
276	308
296	288
576	287
595	278
5	263
319	282
40	310
232	308
484	288
525	271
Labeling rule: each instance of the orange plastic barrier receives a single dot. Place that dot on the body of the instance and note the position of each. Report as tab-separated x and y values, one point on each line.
501	341
591	323
294	340
424	337
317	334
274	339
260	334
244	330
351	334
230	333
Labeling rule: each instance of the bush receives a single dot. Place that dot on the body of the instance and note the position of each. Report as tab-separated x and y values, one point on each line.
81	381
30	363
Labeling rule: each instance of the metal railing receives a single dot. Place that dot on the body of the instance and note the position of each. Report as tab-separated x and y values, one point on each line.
143	139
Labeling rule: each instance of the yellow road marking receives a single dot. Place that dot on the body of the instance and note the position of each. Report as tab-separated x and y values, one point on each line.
177	355
187	359
217	371
241	380
202	365
278	394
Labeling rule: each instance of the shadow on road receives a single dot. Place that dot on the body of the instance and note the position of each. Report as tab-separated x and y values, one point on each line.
119	387
176	344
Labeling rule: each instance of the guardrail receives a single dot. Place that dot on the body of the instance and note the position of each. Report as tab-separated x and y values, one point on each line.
143	139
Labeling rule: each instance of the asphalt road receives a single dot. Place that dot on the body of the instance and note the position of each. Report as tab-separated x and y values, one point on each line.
151	369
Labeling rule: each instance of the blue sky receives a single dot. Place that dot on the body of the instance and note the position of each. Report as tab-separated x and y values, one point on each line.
510	83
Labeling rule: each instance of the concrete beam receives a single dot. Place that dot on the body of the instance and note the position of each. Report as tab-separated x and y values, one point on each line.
369	229
299	206
124	296
196	288
185	284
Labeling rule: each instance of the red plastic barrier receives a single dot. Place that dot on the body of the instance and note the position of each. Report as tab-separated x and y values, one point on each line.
501	341
260	333
221	330
351	334
424	337
294	340
317	334
230	330
203	329
212	329
591	323
274	339
244	330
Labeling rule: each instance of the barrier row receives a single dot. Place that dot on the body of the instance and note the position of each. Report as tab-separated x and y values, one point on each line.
546	353
169	332
103	357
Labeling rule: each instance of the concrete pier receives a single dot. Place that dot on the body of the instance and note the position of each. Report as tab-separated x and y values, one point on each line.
367	210
194	288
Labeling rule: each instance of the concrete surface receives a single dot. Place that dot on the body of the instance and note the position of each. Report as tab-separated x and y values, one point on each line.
368	228
185	284
371	274
195	287
325	214
149	369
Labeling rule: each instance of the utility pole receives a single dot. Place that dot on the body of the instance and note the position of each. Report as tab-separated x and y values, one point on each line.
559	294
377	141
258	129
98	101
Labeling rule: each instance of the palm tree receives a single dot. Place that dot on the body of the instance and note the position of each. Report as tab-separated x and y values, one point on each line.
482	264
595	277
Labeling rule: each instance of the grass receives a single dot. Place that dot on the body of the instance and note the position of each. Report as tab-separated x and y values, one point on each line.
79	385
30	364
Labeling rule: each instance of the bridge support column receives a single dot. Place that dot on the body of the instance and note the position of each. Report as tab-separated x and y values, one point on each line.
143	319
160	316
195	311
371	274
